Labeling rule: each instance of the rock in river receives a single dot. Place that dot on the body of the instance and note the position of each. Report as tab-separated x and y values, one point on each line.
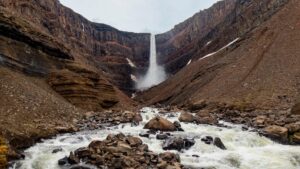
120	151
159	123
178	143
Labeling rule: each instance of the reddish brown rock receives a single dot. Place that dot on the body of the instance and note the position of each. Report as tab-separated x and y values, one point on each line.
86	90
116	151
159	123
296	138
277	132
186	117
205	117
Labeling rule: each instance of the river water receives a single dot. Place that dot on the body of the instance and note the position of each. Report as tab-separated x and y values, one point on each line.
245	149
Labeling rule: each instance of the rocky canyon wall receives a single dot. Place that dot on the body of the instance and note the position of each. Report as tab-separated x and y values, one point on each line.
45	39
258	69
211	29
91	44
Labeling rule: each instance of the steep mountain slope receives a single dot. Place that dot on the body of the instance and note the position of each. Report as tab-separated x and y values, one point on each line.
211	29
259	70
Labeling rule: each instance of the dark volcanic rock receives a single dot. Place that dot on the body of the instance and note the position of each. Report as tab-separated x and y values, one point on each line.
161	136
178	143
218	142
63	161
207	140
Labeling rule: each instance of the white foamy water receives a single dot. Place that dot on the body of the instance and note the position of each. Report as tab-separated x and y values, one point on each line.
245	149
156	73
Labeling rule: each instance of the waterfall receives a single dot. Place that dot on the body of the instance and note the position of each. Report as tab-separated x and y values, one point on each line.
156	73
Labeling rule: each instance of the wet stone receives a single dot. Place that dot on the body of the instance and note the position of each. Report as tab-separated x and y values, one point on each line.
57	150
178	144
144	135
218	142
63	161
161	136
207	139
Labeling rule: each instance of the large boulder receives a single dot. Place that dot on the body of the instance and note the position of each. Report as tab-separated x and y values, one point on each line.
178	143
186	117
159	123
277	133
218	142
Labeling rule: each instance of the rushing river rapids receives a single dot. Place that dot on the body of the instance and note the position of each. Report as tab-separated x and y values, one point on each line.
245	149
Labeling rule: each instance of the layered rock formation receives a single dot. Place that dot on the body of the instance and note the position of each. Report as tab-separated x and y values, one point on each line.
51	58
211	29
59	32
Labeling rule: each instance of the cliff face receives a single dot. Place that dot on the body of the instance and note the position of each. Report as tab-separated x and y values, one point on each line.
55	65
42	37
61	33
211	29
259	69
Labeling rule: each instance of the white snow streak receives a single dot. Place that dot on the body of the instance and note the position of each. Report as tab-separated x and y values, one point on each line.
130	62
189	62
213	53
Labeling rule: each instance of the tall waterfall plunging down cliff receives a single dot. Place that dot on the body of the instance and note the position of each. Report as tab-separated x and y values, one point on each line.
156	73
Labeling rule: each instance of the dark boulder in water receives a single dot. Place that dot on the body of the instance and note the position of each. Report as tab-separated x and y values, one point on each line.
218	142
207	139
178	143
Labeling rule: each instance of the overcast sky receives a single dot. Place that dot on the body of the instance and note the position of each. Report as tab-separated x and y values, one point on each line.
138	15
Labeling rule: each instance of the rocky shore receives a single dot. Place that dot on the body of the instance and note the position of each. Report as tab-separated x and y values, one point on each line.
282	126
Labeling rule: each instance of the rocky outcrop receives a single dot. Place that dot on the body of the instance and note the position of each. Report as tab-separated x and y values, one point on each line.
83	88
211	29
119	151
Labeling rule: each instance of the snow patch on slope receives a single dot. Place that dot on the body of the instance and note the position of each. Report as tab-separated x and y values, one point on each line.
130	62
226	46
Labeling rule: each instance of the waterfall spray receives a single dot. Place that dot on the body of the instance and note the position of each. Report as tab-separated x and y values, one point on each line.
156	73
